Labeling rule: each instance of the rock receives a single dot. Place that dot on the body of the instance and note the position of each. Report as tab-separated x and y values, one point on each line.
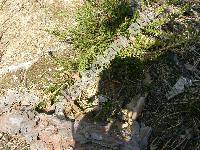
179	87
38	145
40	130
51	140
134	108
96	136
139	107
145	133
139	137
81	138
11	123
59	110
135	132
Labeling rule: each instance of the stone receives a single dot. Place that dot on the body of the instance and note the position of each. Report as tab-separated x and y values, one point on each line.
179	87
59	110
10	123
145	133
96	136
38	145
31	136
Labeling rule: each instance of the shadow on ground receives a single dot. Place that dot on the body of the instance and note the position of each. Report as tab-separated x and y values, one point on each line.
117	87
175	121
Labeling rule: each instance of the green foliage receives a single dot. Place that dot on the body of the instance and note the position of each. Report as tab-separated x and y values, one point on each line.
98	22
57	33
41	106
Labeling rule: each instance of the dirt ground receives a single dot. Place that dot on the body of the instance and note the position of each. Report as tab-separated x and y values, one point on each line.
24	25
26	39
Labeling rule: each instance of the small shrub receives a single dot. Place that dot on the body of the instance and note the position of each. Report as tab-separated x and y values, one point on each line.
97	24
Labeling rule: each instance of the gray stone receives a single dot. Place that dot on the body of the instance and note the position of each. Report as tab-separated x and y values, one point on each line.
145	134
13	123
179	87
96	136
59	110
